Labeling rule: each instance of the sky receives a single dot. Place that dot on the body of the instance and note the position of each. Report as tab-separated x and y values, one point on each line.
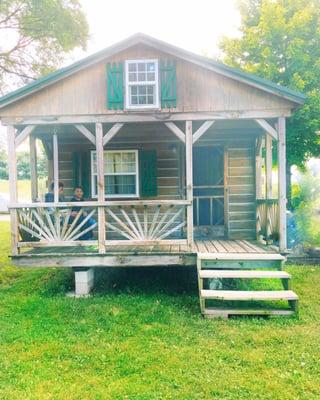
196	25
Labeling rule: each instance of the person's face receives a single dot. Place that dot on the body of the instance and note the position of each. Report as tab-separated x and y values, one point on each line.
60	189
78	193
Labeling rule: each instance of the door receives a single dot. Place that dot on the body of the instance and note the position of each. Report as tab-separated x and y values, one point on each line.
208	191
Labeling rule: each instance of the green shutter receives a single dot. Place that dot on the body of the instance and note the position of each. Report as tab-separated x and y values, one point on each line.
85	173
168	84
81	171
75	169
115	86
148	173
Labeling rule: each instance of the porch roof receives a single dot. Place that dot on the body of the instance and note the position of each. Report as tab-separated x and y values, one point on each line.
140	38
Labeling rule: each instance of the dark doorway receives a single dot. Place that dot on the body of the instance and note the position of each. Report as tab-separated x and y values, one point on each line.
208	191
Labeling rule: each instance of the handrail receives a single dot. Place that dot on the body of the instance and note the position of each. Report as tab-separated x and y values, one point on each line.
101	204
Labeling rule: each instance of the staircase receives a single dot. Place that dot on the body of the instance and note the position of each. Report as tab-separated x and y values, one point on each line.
243	266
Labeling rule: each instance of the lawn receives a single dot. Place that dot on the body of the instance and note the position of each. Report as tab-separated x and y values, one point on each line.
141	337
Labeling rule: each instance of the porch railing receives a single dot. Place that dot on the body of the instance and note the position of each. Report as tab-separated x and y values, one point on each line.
124	222
267	213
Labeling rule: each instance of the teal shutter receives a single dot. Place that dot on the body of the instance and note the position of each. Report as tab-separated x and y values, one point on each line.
115	86
75	169
148	173
168	84
85	173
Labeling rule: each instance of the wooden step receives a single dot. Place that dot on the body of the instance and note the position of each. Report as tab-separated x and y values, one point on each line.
226	312
241	256
242	274
248	295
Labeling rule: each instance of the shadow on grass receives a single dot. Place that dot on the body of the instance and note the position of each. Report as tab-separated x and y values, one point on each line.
163	280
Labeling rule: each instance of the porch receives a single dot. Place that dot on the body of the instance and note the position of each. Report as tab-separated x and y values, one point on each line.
204	183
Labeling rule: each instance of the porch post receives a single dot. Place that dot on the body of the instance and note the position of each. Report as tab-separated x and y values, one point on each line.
189	182
55	167
13	191
33	168
100	189
282	183
268	168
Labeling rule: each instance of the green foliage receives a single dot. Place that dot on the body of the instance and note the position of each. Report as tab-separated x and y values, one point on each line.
3	165
280	41
141	337
306	201
41	33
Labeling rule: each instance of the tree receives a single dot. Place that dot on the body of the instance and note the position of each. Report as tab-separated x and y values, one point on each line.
36	35
280	41
3	165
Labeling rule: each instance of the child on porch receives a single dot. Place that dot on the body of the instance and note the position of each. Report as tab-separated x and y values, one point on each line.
77	197
49	197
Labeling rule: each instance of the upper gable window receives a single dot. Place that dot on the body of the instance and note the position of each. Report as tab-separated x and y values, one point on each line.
142	84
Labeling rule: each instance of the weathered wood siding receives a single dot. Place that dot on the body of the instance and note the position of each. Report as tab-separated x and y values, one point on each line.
198	90
132	137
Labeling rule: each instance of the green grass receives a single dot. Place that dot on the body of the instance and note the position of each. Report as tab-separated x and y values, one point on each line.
141	337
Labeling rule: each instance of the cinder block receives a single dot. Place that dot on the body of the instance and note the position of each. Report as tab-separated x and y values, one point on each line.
84	281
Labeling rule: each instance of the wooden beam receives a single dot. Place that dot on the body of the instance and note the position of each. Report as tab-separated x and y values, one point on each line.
268	128
203	129
81	128
146	117
177	131
258	167
33	168
13	189
189	182
268	141
100	188
111	133
282	184
24	134
55	167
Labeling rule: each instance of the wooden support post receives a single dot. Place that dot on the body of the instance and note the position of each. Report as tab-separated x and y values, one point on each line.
282	183
268	169
55	168
189	182
100	189
258	167
13	190
33	168
258	181
226	191
268	166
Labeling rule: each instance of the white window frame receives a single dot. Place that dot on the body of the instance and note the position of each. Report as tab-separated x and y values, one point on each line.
137	83
136	174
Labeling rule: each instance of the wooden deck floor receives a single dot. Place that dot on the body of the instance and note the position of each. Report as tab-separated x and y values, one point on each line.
200	246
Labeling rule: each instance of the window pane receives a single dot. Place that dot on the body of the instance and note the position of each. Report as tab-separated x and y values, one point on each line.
141	76
141	66
134	100
151	67
120	184
134	90
132	66
132	77
151	76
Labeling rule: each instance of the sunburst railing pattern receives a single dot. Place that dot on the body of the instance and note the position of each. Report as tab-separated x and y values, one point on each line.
146	222
54	225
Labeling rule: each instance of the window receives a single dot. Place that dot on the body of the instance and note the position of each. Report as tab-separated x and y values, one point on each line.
120	173
142	88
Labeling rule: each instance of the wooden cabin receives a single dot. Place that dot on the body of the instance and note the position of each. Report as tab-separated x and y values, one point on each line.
174	154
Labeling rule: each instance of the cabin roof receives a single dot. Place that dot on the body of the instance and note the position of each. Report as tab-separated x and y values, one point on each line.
140	38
